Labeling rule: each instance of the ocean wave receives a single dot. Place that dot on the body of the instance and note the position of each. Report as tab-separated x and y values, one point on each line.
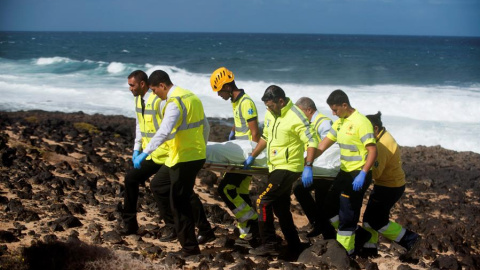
42	61
116	67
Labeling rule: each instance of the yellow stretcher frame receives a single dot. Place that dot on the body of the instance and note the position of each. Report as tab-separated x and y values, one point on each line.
254	170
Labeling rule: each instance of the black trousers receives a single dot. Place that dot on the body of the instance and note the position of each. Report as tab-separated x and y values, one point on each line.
276	199
312	207
133	179
173	187
380	202
343	201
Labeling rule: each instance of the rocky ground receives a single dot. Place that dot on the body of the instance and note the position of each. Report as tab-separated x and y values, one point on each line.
61	184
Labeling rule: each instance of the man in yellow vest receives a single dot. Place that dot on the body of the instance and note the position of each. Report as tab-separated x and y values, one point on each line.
388	189
182	129
358	151
302	190
148	120
234	188
285	135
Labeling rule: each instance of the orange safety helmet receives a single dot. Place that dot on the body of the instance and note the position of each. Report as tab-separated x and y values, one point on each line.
220	77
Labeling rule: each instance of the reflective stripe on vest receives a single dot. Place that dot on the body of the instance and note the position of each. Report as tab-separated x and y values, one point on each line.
186	142
149	123
184	125
243	129
305	121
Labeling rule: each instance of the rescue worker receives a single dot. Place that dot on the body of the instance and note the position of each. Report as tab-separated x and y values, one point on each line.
148	120
354	134
182	128
234	188
302	190
285	135
388	188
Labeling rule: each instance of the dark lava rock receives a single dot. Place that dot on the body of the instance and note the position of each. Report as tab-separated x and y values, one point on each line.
325	253
207	178
217	214
174	261
153	250
15	206
246	264
7	237
447	262
112	237
68	222
27	216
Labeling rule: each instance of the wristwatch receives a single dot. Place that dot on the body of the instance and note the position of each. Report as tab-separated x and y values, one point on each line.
309	163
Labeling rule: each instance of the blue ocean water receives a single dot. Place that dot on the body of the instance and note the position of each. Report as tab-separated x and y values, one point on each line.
427	88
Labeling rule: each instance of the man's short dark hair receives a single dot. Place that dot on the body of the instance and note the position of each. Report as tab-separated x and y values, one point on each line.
139	76
273	93
306	103
337	97
159	76
376	119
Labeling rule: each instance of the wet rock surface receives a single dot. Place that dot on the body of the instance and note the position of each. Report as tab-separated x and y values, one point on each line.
61	179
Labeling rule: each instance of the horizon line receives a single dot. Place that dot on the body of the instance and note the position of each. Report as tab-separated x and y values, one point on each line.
254	33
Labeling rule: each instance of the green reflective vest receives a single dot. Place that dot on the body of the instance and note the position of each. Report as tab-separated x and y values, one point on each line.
286	135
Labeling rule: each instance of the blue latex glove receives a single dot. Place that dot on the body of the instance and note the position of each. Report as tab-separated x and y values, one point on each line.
138	160
359	180
135	154
248	162
231	136
307	176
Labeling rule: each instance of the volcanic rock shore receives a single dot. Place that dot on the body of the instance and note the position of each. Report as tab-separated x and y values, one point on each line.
61	182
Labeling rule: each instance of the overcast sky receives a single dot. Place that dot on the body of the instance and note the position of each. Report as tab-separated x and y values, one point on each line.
391	17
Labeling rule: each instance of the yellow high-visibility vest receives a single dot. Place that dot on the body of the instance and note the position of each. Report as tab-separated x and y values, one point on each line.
149	123
244	109
352	134
286	135
186	142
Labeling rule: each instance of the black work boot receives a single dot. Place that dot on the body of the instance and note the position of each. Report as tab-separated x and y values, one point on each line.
317	230
168	234
410	241
361	237
130	225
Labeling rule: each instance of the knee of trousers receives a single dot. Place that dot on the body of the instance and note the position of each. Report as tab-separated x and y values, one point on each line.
130	180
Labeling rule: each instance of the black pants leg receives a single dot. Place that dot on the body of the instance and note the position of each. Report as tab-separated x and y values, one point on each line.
176	185
199	216
276	199
311	207
380	202
343	201
133	179
160	186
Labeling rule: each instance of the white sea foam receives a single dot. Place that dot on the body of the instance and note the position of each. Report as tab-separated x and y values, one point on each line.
52	60
115	67
416	115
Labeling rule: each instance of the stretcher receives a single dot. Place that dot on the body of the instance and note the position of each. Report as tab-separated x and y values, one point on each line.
229	157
